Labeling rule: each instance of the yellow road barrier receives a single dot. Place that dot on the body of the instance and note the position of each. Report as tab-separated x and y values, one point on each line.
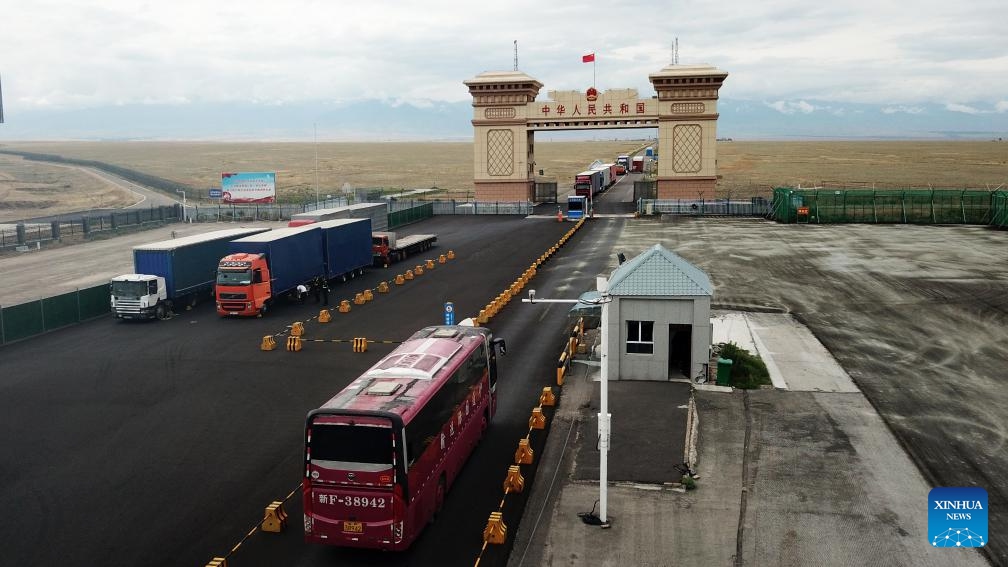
524	453
294	344
495	531
268	343
297	329
514	482
344	306
538	419
547	398
275	518
324	316
360	344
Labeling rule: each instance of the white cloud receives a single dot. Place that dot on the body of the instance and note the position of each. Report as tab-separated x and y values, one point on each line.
790	107
1001	106
965	109
902	108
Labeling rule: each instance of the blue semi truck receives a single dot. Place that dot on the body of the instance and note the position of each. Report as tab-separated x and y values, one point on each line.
171	273
262	268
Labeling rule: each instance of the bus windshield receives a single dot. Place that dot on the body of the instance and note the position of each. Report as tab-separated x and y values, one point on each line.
234	277
349	446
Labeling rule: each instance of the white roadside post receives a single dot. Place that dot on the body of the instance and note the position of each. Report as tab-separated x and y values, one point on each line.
602	285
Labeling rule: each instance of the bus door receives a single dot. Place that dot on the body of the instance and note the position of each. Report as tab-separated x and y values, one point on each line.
354	485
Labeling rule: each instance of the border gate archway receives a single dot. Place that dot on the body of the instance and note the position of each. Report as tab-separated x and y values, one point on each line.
506	116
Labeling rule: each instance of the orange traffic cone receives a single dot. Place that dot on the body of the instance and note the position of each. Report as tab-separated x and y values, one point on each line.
559	215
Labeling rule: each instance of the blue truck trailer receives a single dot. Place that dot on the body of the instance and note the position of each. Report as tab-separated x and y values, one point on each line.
347	246
171	273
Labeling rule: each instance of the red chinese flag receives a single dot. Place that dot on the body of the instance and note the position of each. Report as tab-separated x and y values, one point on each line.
588	58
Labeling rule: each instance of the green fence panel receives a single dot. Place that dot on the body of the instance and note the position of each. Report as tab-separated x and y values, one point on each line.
410	215
999	209
94	301
59	311
912	206
22	321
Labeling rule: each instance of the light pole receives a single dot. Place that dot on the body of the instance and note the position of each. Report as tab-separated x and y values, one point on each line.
315	126
604	418
185	217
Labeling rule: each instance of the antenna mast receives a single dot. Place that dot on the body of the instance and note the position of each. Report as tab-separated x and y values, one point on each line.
675	56
516	54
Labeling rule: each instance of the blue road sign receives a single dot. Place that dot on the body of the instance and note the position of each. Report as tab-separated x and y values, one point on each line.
216	193
449	313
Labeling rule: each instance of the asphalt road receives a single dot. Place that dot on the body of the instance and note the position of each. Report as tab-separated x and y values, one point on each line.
161	443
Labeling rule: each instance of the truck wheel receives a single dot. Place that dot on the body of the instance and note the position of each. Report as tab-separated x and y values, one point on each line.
263	309
160	312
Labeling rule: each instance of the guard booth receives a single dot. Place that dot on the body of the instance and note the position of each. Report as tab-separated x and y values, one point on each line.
576	207
659	317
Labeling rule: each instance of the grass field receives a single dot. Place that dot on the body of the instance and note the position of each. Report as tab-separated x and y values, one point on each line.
747	168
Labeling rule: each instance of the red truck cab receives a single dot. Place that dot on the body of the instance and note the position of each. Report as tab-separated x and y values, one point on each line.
243	285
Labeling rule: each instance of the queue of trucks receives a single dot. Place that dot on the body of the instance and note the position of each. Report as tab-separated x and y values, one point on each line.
247	270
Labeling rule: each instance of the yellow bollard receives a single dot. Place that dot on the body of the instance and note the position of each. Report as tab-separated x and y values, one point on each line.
344	306
368	296
360	344
268	343
430	264
451	254
383	287
538	419
358	299
399	279
441	259
418	270
294	344
217	562
495	531
482	317
409	274
324	316
297	329
275	519
514	482
547	398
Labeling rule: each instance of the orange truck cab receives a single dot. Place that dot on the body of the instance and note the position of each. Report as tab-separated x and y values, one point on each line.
243	285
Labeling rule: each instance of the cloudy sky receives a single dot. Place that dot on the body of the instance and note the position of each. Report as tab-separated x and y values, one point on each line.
790	56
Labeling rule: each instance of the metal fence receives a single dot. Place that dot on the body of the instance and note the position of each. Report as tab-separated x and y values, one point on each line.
26	320
27	235
754	207
911	206
645	190
999	209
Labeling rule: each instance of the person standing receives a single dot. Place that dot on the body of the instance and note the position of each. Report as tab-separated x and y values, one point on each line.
325	292
302	291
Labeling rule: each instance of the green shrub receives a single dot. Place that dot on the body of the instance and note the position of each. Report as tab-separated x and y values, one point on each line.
748	370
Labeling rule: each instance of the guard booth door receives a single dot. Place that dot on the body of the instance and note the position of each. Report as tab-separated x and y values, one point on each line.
680	351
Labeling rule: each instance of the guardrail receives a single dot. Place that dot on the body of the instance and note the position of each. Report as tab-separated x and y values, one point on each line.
29	233
754	207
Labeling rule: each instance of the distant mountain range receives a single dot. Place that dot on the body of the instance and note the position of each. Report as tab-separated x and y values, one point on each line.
381	120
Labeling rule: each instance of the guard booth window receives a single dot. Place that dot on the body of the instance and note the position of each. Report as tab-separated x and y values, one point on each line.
640	337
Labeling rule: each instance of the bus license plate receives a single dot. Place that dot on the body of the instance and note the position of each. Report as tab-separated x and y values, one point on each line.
353	527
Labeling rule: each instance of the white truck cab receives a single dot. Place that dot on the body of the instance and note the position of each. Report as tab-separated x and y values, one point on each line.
139	296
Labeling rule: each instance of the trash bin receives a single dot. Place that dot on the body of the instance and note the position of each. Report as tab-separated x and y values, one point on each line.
724	371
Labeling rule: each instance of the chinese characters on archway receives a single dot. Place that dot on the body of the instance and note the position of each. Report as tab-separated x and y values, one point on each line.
559	109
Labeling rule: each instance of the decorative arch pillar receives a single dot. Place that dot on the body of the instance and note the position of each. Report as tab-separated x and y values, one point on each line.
687	130
503	145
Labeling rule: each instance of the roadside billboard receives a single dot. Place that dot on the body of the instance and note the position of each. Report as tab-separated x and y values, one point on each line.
248	187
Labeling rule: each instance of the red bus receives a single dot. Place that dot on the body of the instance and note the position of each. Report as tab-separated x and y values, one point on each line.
381	454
